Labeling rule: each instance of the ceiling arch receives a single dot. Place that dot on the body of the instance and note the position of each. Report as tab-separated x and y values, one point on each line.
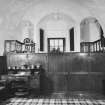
57	16
90	29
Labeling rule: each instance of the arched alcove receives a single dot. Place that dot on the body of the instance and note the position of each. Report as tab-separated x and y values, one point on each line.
27	29
55	26
90	30
91	35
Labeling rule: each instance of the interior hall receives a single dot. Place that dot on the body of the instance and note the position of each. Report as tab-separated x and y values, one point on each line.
52	52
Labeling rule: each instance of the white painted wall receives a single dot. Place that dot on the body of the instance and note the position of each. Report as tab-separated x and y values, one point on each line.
85	32
94	32
90	30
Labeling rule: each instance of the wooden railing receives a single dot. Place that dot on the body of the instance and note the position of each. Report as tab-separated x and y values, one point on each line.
96	46
19	47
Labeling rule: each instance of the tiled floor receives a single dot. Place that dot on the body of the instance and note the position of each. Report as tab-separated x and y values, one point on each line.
52	101
74	98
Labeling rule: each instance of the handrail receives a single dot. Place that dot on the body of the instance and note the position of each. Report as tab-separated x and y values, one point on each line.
96	46
18	47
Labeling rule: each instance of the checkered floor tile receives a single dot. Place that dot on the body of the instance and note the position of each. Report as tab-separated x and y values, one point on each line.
52	101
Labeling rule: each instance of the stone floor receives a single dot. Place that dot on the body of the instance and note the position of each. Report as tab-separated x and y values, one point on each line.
57	99
48	101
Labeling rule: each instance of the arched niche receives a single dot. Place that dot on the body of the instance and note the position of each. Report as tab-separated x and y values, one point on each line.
55	25
27	29
90	30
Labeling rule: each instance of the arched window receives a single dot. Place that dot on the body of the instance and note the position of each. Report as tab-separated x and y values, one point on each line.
71	32
41	40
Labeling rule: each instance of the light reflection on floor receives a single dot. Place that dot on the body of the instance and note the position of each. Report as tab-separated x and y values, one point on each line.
49	101
58	99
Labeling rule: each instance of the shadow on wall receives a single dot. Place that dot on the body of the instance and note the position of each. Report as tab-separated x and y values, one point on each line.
46	84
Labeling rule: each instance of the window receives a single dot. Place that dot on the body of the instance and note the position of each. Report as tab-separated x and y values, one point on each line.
72	39
41	40
56	44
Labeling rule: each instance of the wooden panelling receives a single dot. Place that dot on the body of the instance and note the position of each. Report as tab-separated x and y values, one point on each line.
16	59
78	83
3	65
39	58
22	59
97	62
96	83
80	63
66	83
67	72
57	63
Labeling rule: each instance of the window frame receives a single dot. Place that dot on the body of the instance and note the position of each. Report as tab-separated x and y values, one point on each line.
49	46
